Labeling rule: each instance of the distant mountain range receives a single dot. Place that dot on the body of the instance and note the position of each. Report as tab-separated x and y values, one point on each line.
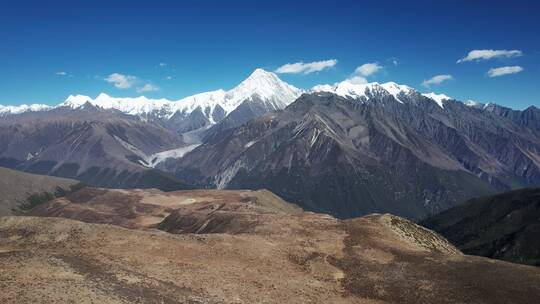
115	142
346	149
352	149
261	91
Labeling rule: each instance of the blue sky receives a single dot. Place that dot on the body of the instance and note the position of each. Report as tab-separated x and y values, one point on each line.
51	50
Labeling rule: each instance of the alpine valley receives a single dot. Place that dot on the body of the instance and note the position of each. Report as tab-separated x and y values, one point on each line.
347	149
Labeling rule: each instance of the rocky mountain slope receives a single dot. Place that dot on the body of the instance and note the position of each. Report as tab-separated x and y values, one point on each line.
237	247
368	148
17	187
116	142
504	226
100	147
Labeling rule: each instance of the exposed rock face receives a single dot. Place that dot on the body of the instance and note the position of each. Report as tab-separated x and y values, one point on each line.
246	111
504	226
237	247
404	153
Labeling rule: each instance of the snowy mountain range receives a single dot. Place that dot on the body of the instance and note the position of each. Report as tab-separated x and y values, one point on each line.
260	84
366	91
215	105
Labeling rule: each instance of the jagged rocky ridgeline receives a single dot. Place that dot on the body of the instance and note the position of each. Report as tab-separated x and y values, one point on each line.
349	156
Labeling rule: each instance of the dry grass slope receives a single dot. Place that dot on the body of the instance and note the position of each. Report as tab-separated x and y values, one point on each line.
267	251
16	187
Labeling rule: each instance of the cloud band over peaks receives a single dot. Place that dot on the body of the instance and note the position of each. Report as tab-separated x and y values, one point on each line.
306	68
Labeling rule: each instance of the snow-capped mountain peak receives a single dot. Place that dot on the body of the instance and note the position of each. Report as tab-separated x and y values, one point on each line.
76	101
103	96
134	106
266	86
438	98
396	89
352	89
261	84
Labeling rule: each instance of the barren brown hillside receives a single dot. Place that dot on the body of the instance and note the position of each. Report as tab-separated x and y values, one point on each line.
16	187
236	247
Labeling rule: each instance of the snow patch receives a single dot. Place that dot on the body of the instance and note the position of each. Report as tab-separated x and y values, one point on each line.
134	150
224	177
157	158
474	104
249	144
6	110
356	90
314	138
438	98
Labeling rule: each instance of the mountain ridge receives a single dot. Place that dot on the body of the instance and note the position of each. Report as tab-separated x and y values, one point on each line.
99	147
503	226
17	187
260	83
345	155
256	84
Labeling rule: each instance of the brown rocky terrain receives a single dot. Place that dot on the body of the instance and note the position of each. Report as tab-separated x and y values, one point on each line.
197	211
236	247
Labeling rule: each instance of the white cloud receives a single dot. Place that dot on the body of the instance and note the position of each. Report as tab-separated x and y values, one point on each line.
496	72
361	72
357	80
168	77
367	69
61	73
121	81
161	64
306	68
490	54
435	80
147	88
322	88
